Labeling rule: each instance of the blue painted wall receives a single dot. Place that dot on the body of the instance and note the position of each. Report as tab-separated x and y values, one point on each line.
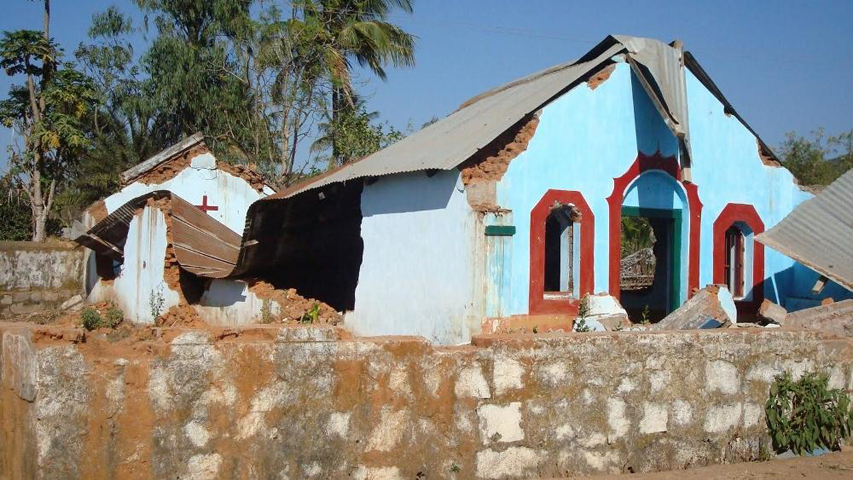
588	137
429	270
585	138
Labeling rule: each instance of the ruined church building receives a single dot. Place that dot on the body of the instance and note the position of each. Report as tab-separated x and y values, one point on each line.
513	204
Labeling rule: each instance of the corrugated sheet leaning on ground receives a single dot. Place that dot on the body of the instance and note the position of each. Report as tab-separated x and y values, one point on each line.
819	232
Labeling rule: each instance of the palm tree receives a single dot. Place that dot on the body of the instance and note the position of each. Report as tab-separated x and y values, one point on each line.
357	30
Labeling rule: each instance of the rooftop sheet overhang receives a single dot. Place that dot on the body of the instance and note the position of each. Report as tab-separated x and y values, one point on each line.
819	232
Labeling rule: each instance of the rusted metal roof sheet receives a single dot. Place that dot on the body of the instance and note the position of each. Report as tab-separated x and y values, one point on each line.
819	232
202	245
164	156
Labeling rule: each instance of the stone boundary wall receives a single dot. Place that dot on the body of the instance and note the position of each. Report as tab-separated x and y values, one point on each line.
293	402
38	276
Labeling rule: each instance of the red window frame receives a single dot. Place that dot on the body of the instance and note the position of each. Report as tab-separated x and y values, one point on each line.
538	216
732	214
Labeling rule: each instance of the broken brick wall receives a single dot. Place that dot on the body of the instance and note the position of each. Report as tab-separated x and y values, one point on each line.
300	402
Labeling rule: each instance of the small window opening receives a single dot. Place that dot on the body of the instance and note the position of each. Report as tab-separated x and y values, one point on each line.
562	251
734	267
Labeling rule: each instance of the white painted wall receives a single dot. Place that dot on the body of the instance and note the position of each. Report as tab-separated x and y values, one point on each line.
231	194
417	271
226	302
230	302
141	277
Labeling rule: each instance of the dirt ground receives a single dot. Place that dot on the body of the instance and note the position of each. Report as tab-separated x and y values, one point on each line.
836	465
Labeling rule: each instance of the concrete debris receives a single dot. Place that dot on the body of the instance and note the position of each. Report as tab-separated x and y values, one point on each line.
604	312
73	303
770	312
709	308
613	323
835	318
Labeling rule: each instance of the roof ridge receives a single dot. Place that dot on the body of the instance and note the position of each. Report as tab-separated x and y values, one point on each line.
162	156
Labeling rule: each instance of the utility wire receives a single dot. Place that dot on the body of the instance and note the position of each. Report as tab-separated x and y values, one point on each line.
546	36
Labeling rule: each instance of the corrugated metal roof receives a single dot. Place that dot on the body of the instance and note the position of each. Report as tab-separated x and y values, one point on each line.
819	232
455	138
452	140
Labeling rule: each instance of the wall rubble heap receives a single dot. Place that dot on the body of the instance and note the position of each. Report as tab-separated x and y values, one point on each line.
302	402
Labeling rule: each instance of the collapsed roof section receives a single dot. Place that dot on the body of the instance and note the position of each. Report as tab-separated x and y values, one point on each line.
202	245
447	143
819	232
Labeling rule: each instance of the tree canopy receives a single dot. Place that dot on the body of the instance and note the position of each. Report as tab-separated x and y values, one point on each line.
270	84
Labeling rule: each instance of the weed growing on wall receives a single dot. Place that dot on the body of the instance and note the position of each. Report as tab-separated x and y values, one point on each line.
805	415
583	311
91	318
645	318
312	315
113	317
156	302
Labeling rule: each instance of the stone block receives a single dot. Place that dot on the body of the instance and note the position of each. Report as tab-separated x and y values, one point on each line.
507	375
19	297
500	424
512	462
471	383
835	318
721	418
72	302
722	376
655	418
770	312
703	311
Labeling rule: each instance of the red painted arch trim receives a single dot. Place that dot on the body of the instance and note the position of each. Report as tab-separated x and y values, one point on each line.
642	164
731	214
537	303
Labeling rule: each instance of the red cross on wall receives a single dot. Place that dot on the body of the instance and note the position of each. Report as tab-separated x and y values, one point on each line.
204	207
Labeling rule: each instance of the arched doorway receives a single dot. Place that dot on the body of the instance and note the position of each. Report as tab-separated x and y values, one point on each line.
652	195
652	250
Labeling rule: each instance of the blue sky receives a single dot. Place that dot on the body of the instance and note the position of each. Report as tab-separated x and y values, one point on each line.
785	65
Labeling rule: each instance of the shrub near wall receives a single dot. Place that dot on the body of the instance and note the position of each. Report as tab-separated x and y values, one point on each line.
38	276
298	402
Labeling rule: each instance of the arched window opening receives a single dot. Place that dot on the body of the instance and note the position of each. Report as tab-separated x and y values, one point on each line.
738	261
738	258
562	251
734	267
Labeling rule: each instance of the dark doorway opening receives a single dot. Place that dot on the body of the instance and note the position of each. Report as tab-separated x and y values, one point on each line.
650	273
